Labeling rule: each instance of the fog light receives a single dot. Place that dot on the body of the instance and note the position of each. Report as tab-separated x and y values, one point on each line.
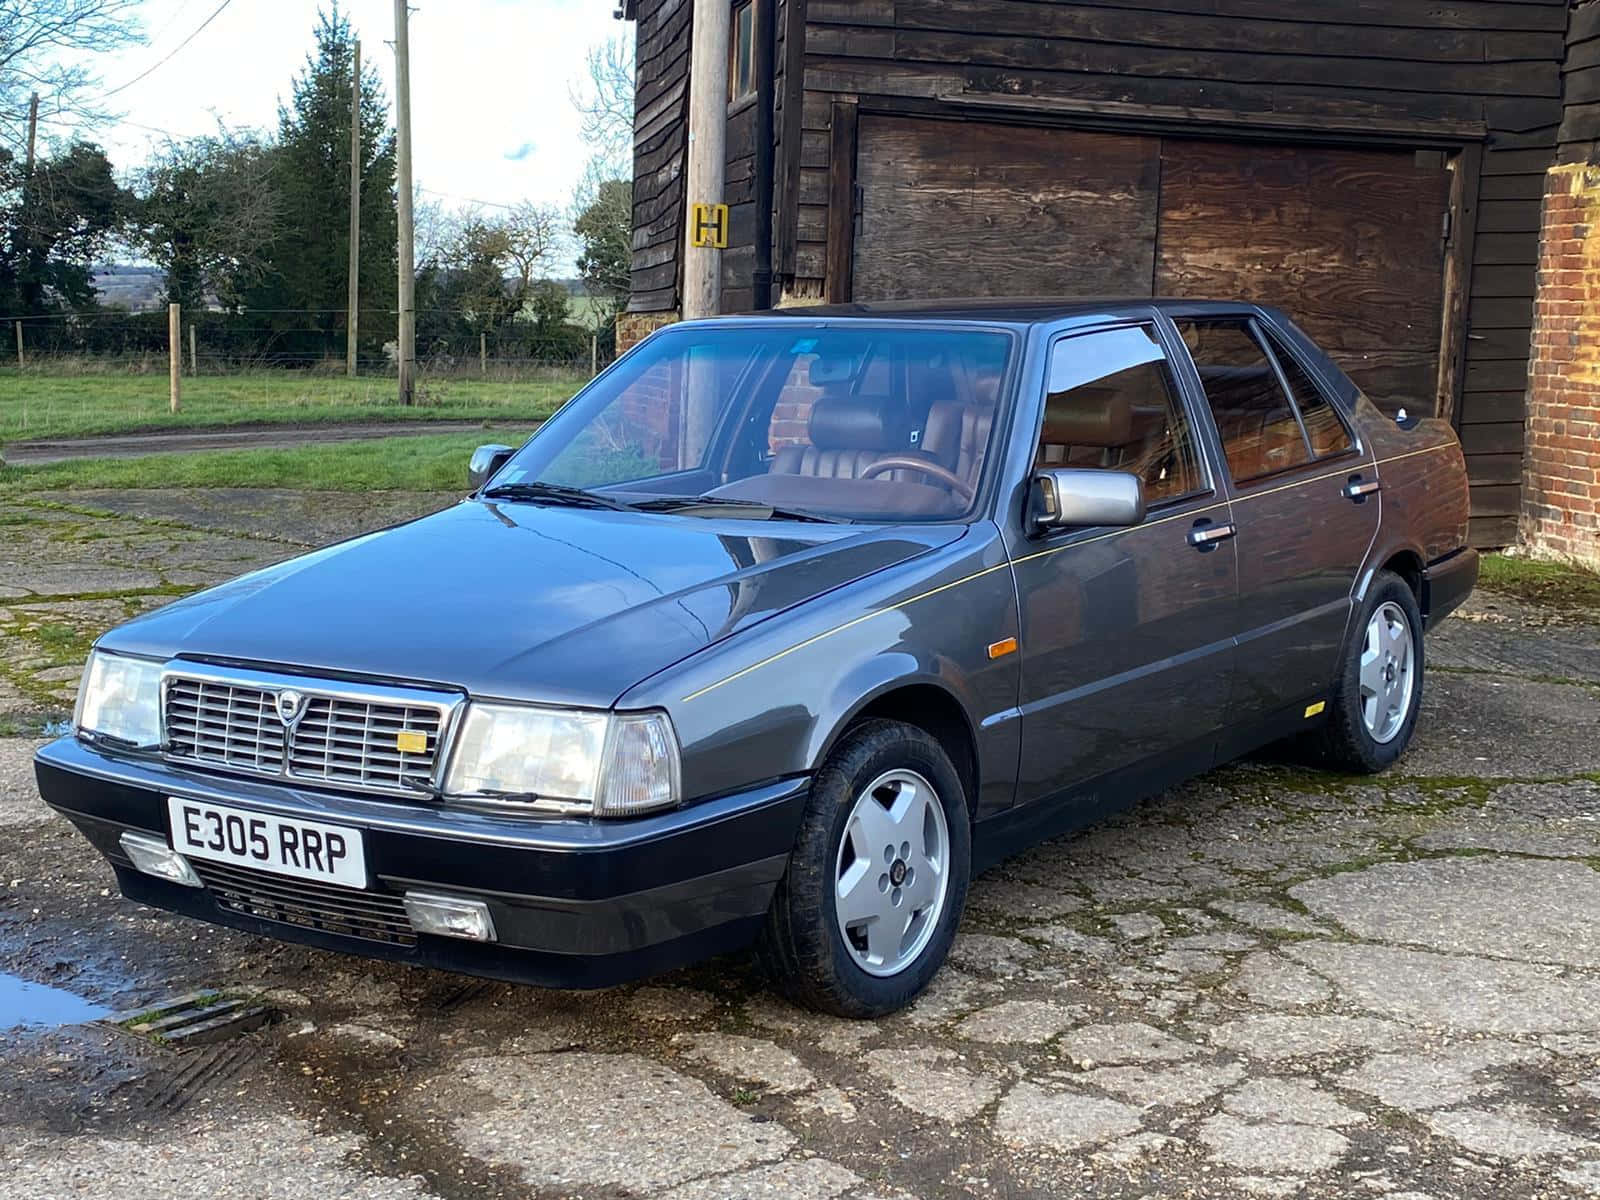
154	857
449	916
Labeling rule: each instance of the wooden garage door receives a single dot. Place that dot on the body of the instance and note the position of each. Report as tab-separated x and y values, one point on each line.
1350	242
952	208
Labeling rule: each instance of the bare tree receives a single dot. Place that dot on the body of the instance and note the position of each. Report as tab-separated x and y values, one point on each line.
602	204
605	105
533	237
496	259
435	229
44	46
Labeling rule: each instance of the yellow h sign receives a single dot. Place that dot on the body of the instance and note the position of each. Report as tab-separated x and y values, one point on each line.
708	226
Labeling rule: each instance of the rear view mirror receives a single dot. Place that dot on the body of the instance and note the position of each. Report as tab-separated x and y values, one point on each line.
486	460
1067	497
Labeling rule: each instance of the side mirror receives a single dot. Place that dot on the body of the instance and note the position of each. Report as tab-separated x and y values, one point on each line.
1065	497
486	460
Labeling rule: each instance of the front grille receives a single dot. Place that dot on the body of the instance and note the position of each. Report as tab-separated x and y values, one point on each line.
225	724
355	742
370	916
357	738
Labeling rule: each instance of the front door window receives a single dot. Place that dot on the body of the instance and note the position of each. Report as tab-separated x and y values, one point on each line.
1112	405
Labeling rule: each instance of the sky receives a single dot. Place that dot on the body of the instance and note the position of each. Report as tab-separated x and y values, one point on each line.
491	83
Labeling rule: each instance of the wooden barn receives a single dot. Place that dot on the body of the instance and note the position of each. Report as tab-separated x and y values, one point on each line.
1376	167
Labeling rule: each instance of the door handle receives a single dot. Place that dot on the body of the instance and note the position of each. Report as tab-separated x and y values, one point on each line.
1205	537
1359	489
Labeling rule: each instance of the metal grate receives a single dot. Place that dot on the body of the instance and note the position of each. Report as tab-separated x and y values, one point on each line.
225	724
368	742
357	742
371	916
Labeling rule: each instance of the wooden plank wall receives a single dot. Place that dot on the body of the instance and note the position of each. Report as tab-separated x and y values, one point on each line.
1400	61
660	133
738	260
660	139
1580	123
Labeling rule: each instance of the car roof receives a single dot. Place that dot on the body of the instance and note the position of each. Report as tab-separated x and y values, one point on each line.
1015	310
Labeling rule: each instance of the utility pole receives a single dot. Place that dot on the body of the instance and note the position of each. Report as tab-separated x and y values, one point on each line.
408	264
706	179
707	167
33	128
355	215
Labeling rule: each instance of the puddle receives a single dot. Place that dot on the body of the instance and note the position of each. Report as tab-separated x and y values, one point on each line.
25	1005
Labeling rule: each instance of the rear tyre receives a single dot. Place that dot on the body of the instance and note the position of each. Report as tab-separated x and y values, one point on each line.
1373	709
877	881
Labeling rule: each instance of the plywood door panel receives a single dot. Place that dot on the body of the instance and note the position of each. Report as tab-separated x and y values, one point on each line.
1350	242
951	208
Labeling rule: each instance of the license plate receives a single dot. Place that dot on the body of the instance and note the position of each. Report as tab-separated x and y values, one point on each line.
281	845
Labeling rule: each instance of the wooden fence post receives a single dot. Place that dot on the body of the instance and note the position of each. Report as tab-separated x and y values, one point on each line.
594	355
20	361
483	355
175	350
194	359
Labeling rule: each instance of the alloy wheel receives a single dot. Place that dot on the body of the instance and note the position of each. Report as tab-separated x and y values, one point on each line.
1388	672
892	872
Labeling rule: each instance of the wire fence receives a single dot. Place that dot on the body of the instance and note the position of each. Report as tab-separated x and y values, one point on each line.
110	342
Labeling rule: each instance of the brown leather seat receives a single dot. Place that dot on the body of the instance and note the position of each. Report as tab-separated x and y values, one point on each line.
958	430
848	434
1082	425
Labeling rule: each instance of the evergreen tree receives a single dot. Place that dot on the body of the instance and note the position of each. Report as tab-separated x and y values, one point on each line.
605	251
54	226
307	270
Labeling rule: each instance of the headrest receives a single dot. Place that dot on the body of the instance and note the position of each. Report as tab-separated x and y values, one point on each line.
841	422
1088	418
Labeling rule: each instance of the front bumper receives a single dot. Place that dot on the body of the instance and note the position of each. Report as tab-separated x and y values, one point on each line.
575	903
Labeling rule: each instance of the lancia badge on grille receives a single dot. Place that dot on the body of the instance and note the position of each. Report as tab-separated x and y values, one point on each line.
290	704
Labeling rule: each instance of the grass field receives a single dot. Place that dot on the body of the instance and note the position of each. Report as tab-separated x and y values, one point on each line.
424	462
44	403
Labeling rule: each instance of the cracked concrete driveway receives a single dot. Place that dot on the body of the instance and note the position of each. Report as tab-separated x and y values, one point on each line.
1266	982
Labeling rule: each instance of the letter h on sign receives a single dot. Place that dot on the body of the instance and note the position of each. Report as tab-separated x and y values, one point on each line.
708	225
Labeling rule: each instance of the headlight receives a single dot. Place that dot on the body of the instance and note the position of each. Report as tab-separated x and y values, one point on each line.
120	699
605	763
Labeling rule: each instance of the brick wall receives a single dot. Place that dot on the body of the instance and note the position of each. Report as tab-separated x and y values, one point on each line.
1561	470
791	415
633	328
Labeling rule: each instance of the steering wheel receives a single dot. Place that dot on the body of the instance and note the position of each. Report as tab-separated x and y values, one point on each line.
943	474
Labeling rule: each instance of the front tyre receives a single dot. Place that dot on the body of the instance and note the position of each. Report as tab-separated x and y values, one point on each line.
1374	706
866	913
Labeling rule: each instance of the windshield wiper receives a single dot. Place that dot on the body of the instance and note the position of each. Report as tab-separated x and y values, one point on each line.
554	493
758	509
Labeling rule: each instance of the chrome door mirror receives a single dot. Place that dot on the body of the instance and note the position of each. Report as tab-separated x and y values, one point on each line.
1069	497
486	460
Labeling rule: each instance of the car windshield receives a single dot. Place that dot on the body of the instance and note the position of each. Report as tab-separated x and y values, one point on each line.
845	421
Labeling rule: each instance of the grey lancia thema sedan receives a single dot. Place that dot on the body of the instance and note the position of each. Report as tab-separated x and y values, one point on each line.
776	633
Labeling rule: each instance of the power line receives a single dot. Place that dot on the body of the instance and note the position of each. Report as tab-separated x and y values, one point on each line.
465	199
169	55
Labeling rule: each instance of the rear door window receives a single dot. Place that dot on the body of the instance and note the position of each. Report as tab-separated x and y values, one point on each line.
1255	418
1325	428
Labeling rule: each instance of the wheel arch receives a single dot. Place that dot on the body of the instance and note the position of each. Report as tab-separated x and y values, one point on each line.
1405	560
929	704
